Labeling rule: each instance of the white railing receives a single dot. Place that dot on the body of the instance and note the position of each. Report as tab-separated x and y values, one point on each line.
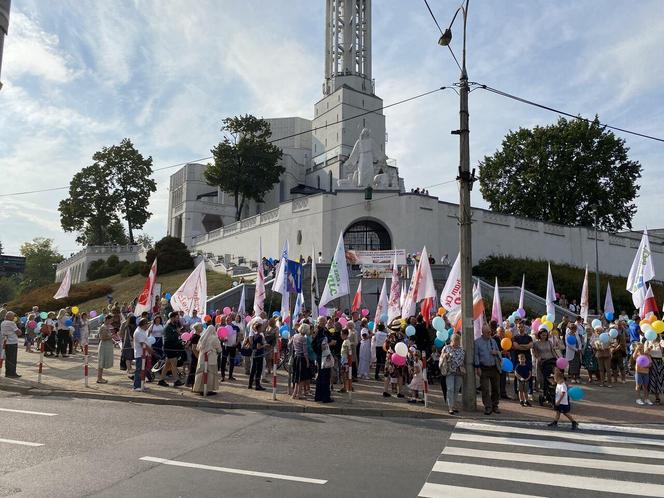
239	226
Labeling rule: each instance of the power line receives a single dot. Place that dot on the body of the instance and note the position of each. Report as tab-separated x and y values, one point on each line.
403	101
433	16
558	111
441	31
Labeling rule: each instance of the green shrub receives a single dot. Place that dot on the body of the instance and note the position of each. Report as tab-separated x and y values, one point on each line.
171	255
134	268
113	261
43	297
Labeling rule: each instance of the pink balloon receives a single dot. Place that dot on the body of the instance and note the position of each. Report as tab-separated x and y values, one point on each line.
248	318
186	336
227	311
562	363
222	333
536	324
365	312
338	313
32	324
343	321
398	360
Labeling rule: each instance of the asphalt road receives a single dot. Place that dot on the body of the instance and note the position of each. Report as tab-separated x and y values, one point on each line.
73	447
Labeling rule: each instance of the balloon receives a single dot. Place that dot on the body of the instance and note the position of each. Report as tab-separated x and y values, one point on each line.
604	338
536	325
506	344
521	312
364	312
508	334
371	325
543	318
651	335
398	360
283	328
438	343
570	340
658	326
151	341
441	311
227	310
596	323
275	314
248	318
222	333
24	319
438	323
43	315
207	318
285	335
343	322
630	322
548	325
168	296
74	310
186	336
507	365
643	361
401	349
443	335
550	317
32	324
562	363
643	322
575	393
337	313
609	316
93	314
613	333
69	322
646	327
410	331
383	318
511	319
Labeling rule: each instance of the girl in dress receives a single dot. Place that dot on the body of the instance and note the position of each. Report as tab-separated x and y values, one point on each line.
365	355
417	383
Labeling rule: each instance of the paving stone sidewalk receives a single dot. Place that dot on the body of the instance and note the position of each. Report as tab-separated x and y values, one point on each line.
64	377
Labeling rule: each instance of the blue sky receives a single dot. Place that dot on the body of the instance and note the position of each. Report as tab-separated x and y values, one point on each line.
83	74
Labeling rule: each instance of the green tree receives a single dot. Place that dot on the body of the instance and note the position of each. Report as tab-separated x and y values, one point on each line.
41	258
91	207
562	173
245	163
130	175
9	287
171	255
145	240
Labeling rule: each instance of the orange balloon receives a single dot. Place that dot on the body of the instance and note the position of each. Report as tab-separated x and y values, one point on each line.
508	334
217	319
441	311
644	322
207	318
506	344
653	318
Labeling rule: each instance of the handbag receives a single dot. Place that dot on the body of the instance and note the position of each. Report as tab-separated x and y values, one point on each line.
445	365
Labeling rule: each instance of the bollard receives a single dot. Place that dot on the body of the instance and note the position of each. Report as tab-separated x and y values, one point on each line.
205	373
144	362
349	375
85	364
426	380
275	363
41	362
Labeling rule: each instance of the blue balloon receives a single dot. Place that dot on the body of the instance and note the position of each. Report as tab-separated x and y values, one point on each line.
571	340
24	319
511	319
383	318
596	323
507	365
410	331
604	338
438	323
438	343
168	296
443	335
650	335
609	315
69	322
371	325
285	334
613	333
575	393
283	328
631	322
276	314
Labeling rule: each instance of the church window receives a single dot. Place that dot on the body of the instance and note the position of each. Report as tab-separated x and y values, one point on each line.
367	235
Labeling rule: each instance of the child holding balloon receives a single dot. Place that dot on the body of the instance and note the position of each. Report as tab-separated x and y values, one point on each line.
642	377
561	403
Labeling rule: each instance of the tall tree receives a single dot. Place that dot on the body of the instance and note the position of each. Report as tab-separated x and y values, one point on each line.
245	163
132	183
91	207
41	258
563	173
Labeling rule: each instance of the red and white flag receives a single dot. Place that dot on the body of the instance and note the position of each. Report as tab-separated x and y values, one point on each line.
381	307
259	293
145	299
496	310
450	298
425	285
357	300
63	290
394	302
192	294
649	304
409	303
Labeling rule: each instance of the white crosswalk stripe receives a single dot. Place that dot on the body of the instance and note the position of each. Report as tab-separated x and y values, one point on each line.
509	460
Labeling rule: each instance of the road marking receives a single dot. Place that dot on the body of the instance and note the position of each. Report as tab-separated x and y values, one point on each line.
583	436
177	463
551	479
21	443
558	445
586	463
433	490
45	414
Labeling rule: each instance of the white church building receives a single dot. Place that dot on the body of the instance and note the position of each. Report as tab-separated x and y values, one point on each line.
338	178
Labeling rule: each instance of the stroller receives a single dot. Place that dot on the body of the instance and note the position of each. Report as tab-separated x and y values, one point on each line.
548	389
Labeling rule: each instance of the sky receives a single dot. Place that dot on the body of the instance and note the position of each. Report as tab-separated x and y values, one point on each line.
83	74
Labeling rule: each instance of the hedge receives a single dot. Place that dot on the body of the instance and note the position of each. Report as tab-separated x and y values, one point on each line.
43	297
567	279
134	269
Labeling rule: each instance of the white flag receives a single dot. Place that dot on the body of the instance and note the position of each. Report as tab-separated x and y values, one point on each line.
280	284
240	308
63	290
336	284
450	298
550	294
145	299
424	284
523	291
584	298
285	306
315	298
299	305
608	302
259	293
409	307
496	310
192	294
381	307
402	297
394	301
641	272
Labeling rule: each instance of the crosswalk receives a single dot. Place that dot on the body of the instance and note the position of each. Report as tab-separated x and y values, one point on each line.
512	459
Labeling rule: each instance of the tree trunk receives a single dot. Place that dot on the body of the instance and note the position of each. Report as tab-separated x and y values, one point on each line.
238	211
131	232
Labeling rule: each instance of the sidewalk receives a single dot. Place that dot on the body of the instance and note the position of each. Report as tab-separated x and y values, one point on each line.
64	377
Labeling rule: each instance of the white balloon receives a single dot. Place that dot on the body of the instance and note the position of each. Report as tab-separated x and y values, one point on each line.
151	340
401	349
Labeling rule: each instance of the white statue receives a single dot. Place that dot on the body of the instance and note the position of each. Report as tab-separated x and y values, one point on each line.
361	160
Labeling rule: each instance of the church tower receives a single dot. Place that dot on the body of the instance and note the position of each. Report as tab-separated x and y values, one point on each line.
348	91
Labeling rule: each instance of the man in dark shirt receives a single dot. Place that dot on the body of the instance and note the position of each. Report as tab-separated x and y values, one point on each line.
173	349
522	343
421	333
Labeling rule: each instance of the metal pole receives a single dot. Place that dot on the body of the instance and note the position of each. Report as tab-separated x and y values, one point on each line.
85	365
597	289
466	179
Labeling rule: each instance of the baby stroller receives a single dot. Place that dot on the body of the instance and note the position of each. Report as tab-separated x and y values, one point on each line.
548	389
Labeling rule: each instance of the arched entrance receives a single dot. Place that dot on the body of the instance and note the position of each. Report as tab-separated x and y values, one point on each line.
367	235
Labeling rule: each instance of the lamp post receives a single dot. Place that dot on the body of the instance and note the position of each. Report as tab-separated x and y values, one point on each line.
466	179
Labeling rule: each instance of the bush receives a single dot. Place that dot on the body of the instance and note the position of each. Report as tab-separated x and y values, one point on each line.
113	261
135	268
43	297
171	254
567	279
102	269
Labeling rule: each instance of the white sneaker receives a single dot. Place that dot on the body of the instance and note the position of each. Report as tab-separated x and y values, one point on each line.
640	402
649	403
138	390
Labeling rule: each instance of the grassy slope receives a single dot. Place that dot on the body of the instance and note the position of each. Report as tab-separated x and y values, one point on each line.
126	289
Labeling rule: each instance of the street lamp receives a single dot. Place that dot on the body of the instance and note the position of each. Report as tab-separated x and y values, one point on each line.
466	179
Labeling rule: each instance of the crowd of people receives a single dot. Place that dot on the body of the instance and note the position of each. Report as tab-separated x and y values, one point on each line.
517	359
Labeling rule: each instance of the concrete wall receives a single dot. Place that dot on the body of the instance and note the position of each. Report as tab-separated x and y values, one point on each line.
78	263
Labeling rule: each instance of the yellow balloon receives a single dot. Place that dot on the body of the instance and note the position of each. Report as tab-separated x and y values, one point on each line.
544	318
548	325
74	310
658	326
